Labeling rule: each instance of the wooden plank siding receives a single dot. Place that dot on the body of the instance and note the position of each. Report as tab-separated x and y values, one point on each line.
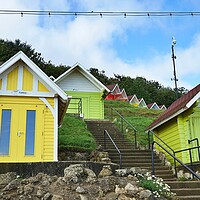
48	144
92	104
178	131
76	81
169	134
12	79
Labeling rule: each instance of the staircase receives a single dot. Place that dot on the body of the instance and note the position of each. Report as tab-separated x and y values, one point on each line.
141	158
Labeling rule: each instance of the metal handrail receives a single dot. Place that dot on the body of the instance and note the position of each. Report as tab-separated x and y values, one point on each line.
181	163
129	124
107	134
197	141
189	149
76	105
165	145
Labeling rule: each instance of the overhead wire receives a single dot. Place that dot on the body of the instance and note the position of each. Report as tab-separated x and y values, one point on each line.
101	13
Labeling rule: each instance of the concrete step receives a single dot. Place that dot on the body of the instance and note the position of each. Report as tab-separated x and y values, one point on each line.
130	150
134	158
195	197
183	184
127	160
187	191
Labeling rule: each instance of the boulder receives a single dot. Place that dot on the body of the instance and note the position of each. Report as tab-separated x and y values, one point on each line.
106	171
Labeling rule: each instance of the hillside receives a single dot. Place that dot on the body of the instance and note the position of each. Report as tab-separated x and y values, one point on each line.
139	118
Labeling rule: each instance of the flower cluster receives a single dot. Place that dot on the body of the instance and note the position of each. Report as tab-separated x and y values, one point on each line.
156	185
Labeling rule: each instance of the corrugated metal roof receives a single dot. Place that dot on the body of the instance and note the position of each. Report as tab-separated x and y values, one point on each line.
175	107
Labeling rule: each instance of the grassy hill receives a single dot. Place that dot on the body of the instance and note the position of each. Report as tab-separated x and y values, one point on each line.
139	118
74	135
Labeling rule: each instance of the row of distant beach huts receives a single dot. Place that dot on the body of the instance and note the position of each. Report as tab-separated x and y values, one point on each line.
120	94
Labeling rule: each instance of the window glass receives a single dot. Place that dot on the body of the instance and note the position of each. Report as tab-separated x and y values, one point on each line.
5	132
30	132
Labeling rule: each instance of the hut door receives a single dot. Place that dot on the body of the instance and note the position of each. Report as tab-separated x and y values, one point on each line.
194	123
21	133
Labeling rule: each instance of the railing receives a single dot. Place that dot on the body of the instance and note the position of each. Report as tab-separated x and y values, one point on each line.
108	135
197	141
123	121
190	153
75	106
173	152
175	158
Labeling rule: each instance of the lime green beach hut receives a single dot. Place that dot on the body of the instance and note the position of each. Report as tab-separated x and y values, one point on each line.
180	124
86	91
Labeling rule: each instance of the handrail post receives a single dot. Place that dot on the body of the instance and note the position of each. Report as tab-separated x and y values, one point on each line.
122	124
135	134
109	137
104	139
175	169
198	148
152	158
191	163
149	143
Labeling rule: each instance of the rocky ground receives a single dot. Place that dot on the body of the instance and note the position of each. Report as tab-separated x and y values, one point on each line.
78	183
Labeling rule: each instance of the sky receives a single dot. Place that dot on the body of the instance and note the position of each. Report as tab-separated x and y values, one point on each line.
131	46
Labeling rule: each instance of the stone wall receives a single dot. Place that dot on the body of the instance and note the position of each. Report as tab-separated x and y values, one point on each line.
50	168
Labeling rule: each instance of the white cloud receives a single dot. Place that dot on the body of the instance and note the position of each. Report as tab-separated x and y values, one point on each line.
89	40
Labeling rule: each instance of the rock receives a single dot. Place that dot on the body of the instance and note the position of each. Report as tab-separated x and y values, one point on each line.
180	173
80	190
121	172
91	176
57	197
7	178
60	182
188	175
45	183
77	173
123	197
47	196
111	196
80	156
145	194
107	184
106	171
40	193
73	173
100	156
119	190
135	170
12	185
20	190
85	187
28	189
106	160
131	189
83	197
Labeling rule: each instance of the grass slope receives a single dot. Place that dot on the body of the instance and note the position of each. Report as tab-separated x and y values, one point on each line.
74	135
139	118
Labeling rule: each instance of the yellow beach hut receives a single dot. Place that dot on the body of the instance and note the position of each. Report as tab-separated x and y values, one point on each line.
31	108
